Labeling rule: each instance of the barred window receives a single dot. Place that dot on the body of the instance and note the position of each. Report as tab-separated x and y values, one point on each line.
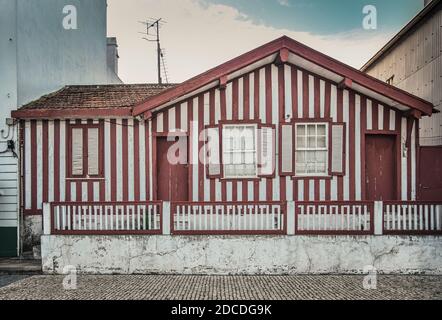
311	153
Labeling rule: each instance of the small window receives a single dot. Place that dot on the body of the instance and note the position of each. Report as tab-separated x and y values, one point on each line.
84	147
239	151
311	153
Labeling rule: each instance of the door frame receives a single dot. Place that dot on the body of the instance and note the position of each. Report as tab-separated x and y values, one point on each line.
397	140
155	136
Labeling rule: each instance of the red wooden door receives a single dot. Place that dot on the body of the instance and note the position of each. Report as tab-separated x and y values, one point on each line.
430	173
380	167
172	179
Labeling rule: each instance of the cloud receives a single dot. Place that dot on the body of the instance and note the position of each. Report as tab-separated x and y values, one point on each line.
199	35
284	3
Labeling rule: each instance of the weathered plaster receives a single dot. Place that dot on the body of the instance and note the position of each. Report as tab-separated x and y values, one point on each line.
31	232
241	254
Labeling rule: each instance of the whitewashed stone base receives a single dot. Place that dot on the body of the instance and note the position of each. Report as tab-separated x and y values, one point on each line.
241	254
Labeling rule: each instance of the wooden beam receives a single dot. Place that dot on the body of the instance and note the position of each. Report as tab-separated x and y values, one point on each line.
222	82
282	57
345	84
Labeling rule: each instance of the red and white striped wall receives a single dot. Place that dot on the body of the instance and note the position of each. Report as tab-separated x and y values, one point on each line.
269	94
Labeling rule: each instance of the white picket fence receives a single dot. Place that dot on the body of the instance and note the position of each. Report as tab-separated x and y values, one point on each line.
224	217
334	217
106	217
412	217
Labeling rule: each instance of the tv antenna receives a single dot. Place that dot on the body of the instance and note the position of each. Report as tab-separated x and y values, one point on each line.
153	34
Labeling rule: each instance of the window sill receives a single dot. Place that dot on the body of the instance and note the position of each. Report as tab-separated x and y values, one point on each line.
86	179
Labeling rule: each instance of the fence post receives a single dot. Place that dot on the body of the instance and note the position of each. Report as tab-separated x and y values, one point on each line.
290	218
46	218
378	218
166	217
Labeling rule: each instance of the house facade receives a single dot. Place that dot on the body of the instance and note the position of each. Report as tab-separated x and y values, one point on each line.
412	61
280	126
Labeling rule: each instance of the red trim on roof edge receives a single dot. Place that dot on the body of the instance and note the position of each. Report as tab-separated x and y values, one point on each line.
71	113
299	49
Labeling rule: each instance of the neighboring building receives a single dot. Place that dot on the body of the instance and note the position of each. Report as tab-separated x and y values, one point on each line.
412	61
39	56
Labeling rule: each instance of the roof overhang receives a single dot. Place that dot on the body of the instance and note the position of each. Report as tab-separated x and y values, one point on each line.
71	113
287	50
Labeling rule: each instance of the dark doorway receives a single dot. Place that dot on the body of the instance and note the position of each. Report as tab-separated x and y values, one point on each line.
380	167
430	173
172	178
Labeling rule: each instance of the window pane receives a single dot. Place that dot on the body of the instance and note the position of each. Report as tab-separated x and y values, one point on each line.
93	152
300	129
311	142
77	151
239	151
300	142
300	157
321	142
321	129
311	129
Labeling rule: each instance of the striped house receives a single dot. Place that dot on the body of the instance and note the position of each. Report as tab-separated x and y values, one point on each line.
326	131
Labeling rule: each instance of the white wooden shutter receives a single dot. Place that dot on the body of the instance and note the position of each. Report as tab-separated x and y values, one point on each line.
93	152
286	152
213	158
77	151
338	148
266	150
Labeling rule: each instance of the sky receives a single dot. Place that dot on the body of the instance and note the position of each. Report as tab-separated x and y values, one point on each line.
200	34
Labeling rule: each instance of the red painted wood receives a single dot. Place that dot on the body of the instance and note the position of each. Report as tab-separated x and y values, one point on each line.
125	159
352	138
380	166
113	158
430	180
34	165
45	160
136	151
71	113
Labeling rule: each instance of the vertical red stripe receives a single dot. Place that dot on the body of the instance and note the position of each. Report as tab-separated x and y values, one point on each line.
56	160
235	108
113	158
200	147
281	104
125	160
136	161
363	129
147	163
305	96
256	117
191	161
375	115
34	165
103	140
316	99
45	156
386	118
399	152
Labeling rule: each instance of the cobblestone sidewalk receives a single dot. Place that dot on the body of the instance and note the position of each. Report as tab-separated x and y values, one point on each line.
224	287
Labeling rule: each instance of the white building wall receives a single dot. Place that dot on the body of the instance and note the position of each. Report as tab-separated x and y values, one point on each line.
39	56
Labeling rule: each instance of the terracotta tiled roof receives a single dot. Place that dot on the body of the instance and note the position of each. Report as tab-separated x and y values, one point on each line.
96	96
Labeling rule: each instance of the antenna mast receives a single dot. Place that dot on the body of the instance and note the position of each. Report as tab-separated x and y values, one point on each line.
155	25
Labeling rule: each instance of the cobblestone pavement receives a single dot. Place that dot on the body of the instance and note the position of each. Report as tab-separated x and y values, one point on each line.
225	287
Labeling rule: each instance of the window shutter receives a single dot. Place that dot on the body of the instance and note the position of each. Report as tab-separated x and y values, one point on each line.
266	150
93	152
213	159
337	161
287	149
77	151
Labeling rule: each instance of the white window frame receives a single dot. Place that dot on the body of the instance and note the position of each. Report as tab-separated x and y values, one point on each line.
327	148
223	149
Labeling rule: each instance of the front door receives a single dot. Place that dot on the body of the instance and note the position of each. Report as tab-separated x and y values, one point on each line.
430	169
172	178
380	167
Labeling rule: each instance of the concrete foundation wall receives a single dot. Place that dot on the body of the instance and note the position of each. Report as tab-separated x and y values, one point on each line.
241	254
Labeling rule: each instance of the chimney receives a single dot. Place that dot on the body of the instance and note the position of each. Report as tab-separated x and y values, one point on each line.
112	54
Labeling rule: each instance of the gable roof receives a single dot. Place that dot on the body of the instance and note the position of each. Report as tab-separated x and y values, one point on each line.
115	99
298	54
422	15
